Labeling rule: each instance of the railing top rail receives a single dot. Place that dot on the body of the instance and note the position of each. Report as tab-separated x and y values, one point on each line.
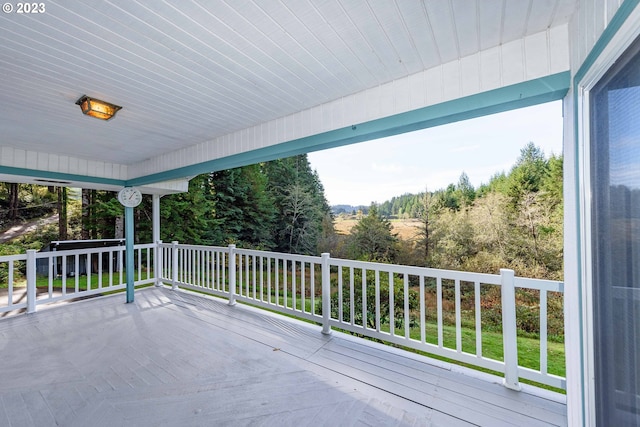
539	284
144	245
466	276
268	254
52	254
16	257
73	252
86	241
196	247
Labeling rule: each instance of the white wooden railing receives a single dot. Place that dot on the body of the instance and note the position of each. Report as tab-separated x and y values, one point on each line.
382	301
37	278
308	287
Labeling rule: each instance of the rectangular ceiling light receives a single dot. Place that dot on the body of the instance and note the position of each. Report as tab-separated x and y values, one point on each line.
96	108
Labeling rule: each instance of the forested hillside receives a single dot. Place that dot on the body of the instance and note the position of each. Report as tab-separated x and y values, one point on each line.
278	205
514	221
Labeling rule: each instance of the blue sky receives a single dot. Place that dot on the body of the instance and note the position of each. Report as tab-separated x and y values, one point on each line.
375	171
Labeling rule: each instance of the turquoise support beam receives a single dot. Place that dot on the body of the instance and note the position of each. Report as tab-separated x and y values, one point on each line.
59	176
130	266
520	95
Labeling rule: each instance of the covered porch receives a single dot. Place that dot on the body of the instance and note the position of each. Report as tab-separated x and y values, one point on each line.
208	86
186	351
178	358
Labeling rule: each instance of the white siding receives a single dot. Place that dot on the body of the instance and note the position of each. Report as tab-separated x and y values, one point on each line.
587	25
534	56
28	159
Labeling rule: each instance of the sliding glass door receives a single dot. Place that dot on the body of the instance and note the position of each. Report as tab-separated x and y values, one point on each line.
615	228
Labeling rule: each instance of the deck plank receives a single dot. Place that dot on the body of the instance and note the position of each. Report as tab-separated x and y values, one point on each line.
175	358
403	372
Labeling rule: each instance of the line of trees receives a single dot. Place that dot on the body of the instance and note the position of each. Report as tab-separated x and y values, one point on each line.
514	221
278	205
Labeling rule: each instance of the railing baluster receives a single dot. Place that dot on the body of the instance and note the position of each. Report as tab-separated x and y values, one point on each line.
293	284
303	300
247	278
285	282
277	284
312	276
364	298
478	319
458	317
253	267
76	272
64	275
407	333
392	311
340	292
88	270
377	285
543	332
50	272
262	278
352	303
423	320
100	257
269	279
139	258
120	266
439	303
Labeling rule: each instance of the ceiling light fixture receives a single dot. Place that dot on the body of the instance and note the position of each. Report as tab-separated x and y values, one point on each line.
96	108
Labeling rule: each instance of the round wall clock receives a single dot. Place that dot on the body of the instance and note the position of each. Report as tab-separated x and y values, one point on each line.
130	197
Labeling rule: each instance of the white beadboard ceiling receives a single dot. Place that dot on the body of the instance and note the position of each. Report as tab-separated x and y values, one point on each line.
190	71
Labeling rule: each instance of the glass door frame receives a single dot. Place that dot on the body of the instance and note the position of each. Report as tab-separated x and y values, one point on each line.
581	210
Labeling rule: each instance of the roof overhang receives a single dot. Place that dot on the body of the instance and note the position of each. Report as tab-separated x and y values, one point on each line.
211	86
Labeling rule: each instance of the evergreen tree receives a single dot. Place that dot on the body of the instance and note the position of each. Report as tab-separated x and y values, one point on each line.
426	215
465	192
372	238
244	211
527	174
186	217
300	203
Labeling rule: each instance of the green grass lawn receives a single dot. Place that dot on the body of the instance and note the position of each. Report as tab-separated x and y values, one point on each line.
84	281
492	342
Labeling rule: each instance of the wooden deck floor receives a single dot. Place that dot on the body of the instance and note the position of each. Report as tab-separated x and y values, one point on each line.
176	359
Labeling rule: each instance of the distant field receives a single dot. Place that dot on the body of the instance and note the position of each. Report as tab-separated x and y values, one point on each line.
405	228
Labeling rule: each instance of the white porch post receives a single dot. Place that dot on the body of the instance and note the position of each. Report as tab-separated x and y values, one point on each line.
155	217
31	281
509	332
